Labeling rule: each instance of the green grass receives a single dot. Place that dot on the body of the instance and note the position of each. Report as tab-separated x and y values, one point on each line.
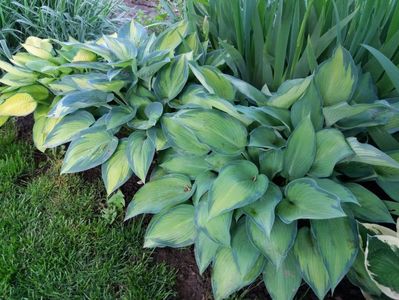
54	243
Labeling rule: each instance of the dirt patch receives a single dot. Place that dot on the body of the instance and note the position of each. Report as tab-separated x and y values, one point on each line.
147	7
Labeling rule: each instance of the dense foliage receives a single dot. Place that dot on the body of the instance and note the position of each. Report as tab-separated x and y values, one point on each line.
276	183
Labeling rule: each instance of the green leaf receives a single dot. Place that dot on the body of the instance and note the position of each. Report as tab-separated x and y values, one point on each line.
68	127
331	148
265	137
248	90
116	170
289	92
190	165
172	37
140	152
271	162
42	127
161	193
305	199
172	228
337	78
237	185
301	150
93	147
283	282
119	115
205	251
203	182
338	244
311	263
339	190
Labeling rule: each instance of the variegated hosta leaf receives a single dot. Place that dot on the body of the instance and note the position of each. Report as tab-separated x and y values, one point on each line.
301	150
84	56
140	152
161	193
237	185
38	92
289	92
311	263
190	165
331	148
205	251
283	282
337	77
42	127
171	79
68	127
16	71
305	199
275	246
172	37
338	244
134	32
271	162
152	112
158	138
18	105
116	171
38	47
381	260
119	115
171	228
339	190
93	147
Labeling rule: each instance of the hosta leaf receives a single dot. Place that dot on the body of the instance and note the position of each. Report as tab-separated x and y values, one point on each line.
339	190
93	147
276	246
205	251
331	148
390	188
301	150
171	79
18	105
265	137
152	112
140	153
119	115
389	173
261	212
172	37
133	31
68	127
337	77
218	161
237	185
381	260
337	259
41	48
161	193
42	127
278	118
186	164
16	71
371	207
248	90
283	282
203	182
305	199
271	162
38	92
289	92
214	81
116	170
311	263
171	228
158	138
3	120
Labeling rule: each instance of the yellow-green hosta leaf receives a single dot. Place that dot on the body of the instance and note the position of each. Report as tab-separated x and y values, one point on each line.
42	127
18	105
283	282
337	77
172	37
93	147
140	153
190	165
116	171
337	259
311	263
68	127
289	92
38	92
381	261
205	251
38	47
84	56
331	148
214	81
160	193
301	150
238	184
305	199
3	120
16	71
172	228
172	78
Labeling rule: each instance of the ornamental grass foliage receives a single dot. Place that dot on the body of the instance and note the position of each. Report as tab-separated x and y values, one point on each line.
287	186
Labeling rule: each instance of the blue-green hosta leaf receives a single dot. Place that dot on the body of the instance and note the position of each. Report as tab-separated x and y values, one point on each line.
249	91
389	173
237	185
140	152
275	246
311	263
80	99
172	37
301	150
42	127
172	78
203	183
390	188
305	199
371	207
119	115
337	259
339	190
283	282
205	251
190	165
160	193
93	147
337	77
217	228
214	81
331	148
289	92
266	137
116	171
366	91
261	212
68	127
271	162
122	49
381	260
149	117
172	228
134	32
218	161
158	138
